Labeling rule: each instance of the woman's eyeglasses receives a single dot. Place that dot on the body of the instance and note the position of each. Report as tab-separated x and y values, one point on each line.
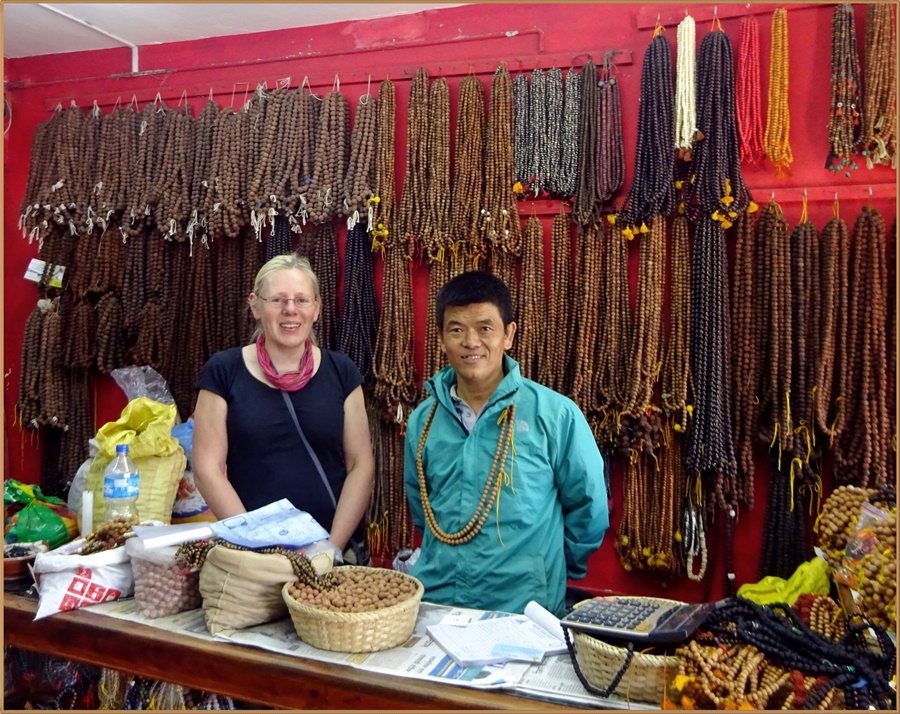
277	303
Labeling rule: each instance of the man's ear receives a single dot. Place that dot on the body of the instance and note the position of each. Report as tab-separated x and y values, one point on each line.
509	333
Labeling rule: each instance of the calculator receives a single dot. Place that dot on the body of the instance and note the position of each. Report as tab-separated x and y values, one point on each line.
637	619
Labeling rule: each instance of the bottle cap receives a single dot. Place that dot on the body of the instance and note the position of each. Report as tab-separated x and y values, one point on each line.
121	448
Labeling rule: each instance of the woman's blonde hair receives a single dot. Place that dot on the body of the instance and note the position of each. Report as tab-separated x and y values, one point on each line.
288	261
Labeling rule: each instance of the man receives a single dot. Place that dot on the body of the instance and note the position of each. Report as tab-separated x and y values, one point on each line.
502	474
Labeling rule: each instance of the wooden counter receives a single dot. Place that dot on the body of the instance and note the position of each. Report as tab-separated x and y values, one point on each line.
245	673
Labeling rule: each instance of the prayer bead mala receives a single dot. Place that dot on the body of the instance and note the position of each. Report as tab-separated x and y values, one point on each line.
611	343
413	207
468	177
710	446
891	386
571	129
325	265
435	235
327	187
685	86
778	116
584	211
174	208
538	166
785	545
532	311
523	146
804	250
359	185
501	228
879	120
586	295
383	221
609	161
645	344
860	670
110	341
861	451
774	300
556	354
844	123
231	305
133	283
491	488
716	187
652	190
676	365
749	112
720	677
834	263
554	129
359	311
28	405
746	354
193	555
200	173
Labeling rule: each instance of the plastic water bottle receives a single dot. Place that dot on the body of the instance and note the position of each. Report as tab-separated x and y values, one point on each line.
120	485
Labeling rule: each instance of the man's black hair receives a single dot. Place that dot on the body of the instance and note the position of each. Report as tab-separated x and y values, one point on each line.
472	288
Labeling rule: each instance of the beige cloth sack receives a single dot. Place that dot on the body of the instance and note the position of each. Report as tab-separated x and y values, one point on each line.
241	588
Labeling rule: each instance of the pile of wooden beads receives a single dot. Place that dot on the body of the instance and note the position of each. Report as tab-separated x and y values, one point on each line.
110	534
163	587
357	591
839	515
878	575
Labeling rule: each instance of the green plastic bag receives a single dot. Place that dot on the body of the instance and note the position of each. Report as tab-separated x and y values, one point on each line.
18	492
37	522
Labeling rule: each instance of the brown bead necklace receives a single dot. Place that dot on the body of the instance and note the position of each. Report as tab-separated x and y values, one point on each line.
491	488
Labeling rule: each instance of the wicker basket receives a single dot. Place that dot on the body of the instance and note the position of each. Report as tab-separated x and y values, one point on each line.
355	631
647	677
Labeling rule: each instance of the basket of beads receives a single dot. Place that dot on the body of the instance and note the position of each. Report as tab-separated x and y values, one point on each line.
163	585
355	609
608	669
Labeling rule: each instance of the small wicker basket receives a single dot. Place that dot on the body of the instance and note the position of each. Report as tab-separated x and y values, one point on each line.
355	631
647	677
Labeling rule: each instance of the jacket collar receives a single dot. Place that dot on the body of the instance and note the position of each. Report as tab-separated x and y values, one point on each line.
439	385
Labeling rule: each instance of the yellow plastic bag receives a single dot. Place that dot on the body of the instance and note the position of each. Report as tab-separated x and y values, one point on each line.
812	576
146	426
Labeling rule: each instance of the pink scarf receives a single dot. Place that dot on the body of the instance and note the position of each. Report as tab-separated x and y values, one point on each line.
289	381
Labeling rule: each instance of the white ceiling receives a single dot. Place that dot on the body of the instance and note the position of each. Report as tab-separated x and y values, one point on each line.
30	29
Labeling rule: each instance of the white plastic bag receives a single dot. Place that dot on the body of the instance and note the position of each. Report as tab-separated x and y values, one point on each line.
67	580
405	559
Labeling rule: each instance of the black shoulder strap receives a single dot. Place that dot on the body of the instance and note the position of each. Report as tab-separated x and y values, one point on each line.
309	448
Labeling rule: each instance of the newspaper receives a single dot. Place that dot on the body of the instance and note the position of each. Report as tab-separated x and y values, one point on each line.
418	658
278	523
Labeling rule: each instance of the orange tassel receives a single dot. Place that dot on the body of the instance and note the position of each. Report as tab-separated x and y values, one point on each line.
839	112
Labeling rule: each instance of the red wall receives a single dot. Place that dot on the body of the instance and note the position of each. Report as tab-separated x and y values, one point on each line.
445	42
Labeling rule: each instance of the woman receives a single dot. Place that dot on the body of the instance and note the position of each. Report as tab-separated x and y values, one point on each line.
247	449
